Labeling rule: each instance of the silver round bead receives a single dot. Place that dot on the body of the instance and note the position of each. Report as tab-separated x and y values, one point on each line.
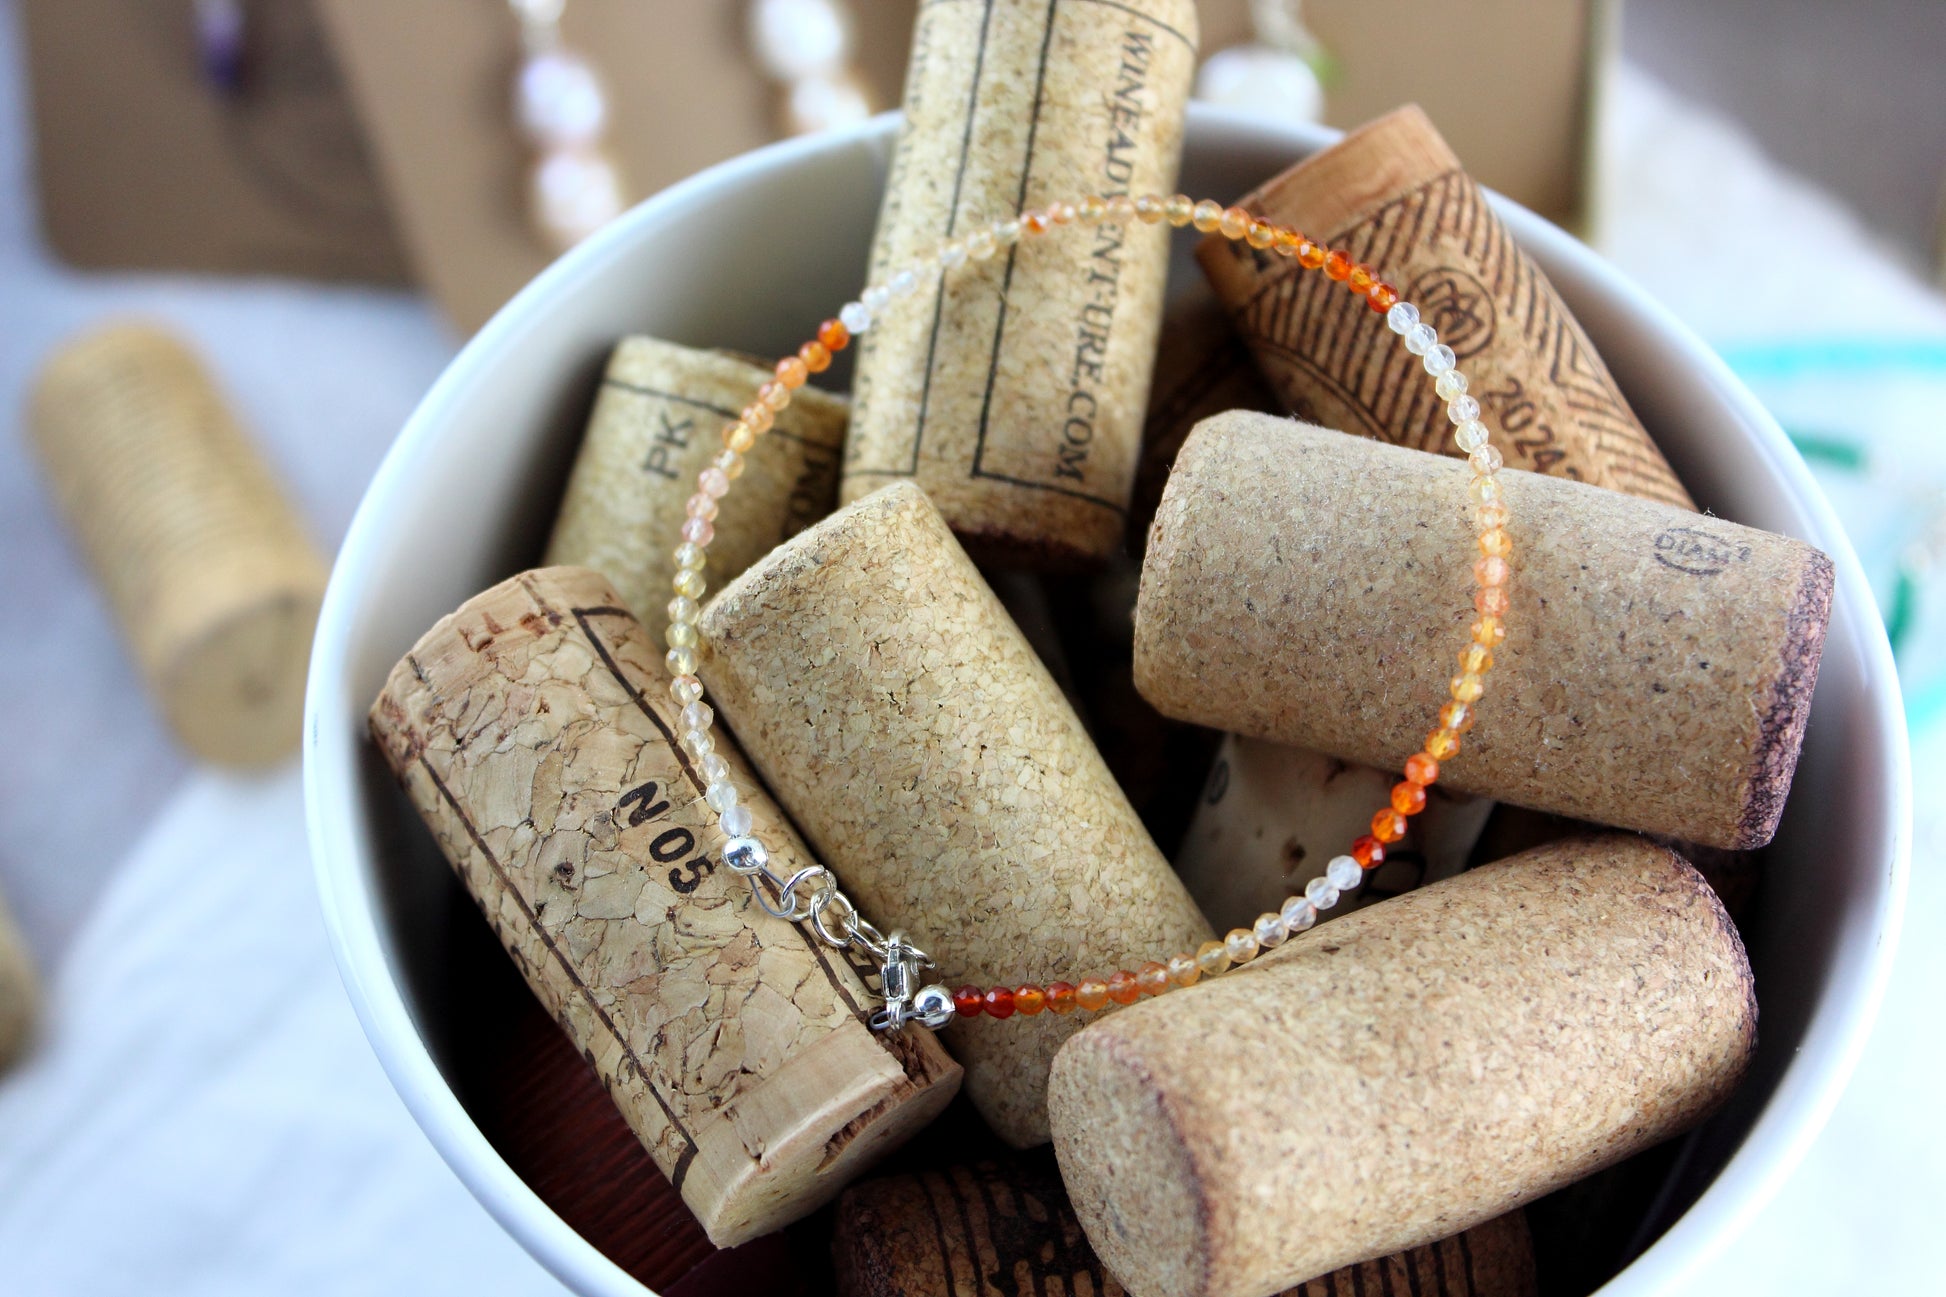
933	1006
745	856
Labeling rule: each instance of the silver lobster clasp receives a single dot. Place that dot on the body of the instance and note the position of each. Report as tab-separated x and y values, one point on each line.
905	999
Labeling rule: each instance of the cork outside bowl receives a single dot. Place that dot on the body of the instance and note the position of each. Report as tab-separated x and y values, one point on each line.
750	253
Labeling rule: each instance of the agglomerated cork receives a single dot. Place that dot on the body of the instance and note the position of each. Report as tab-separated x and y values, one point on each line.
899	714
1313	588
212	579
657	423
1454	1053
1272	816
532	730
20	993
1014	393
1392	194
1003	1229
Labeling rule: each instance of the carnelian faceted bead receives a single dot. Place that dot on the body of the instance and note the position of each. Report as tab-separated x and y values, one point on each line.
1122	988
1408	798
1035	223
1491	600
1382	297
1368	851
1029	999
969	1002
1337	265
1092	994
792	372
1467	687
1060	997
1261	234
834	335
1457	717
816	357
1442	745
1000	1003
1489	631
1311	255
1494	543
1476	659
1360	280
1152	978
1388	826
1285	241
1422	769
1491	570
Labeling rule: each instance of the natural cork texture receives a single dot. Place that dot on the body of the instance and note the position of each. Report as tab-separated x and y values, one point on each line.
657	423
1454	1053
1271	817
20	994
1015	394
1315	588
901	716
998	1229
210	574
1392	194
532	731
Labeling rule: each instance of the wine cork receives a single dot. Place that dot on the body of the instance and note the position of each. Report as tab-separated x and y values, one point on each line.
1006	1229
928	755
19	991
532	732
657	423
1409	1070
1014	392
1271	817
1392	194
1310	587
211	577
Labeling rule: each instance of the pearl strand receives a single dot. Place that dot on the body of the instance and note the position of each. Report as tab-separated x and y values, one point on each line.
1491	571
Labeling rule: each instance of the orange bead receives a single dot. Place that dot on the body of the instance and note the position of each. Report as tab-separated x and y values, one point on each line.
1491	571
834	335
1491	600
1285	241
1494	543
969	1001
1261	234
1368	851
1000	1003
1490	631
1442	745
1035	223
1422	769
1457	717
1029	999
1382	297
1408	798
1122	988
1152	978
1388	826
1467	687
1060	997
1476	659
1360	280
1337	266
1091	994
1311	255
816	357
792	372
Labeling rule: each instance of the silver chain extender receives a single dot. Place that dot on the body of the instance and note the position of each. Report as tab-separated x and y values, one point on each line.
900	963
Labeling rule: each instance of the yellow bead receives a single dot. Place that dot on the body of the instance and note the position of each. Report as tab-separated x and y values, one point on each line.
690	584
739	437
1179	211
1467	688
1234	223
1494	543
1207	216
731	463
1148	208
1091	209
1212	957
1442	745
1183	970
1475	659
1490	631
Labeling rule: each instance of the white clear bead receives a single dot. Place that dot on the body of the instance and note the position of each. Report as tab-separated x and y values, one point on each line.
1270	930
1462	409
559	101
745	855
1470	436
1402	317
699	743
1321	893
685	689
855	316
683	608
690	557
902	283
682	635
736	820
793	39
875	298
1007	231
713	768
952	254
698	716
1298	914
574	193
820	103
1440	360
1420	339
1486	459
1452	383
1344	873
981	244
722	795
681	661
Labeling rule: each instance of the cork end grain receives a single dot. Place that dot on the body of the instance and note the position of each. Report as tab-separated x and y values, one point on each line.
1785	714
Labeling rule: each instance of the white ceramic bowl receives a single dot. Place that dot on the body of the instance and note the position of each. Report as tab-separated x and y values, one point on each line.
751	254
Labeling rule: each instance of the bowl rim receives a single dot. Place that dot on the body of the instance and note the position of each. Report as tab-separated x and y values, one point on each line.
1807	1089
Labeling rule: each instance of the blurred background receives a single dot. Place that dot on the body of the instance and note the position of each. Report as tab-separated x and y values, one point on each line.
320	199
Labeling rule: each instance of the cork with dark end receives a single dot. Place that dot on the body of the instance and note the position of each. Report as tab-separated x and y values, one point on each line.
1014	392
657	423
1272	816
932	761
1006	1229
1465	1049
20	994
212	577
531	730
1392	194
1311	587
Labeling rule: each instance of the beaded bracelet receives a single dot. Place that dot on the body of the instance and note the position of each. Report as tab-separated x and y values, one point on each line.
900	962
